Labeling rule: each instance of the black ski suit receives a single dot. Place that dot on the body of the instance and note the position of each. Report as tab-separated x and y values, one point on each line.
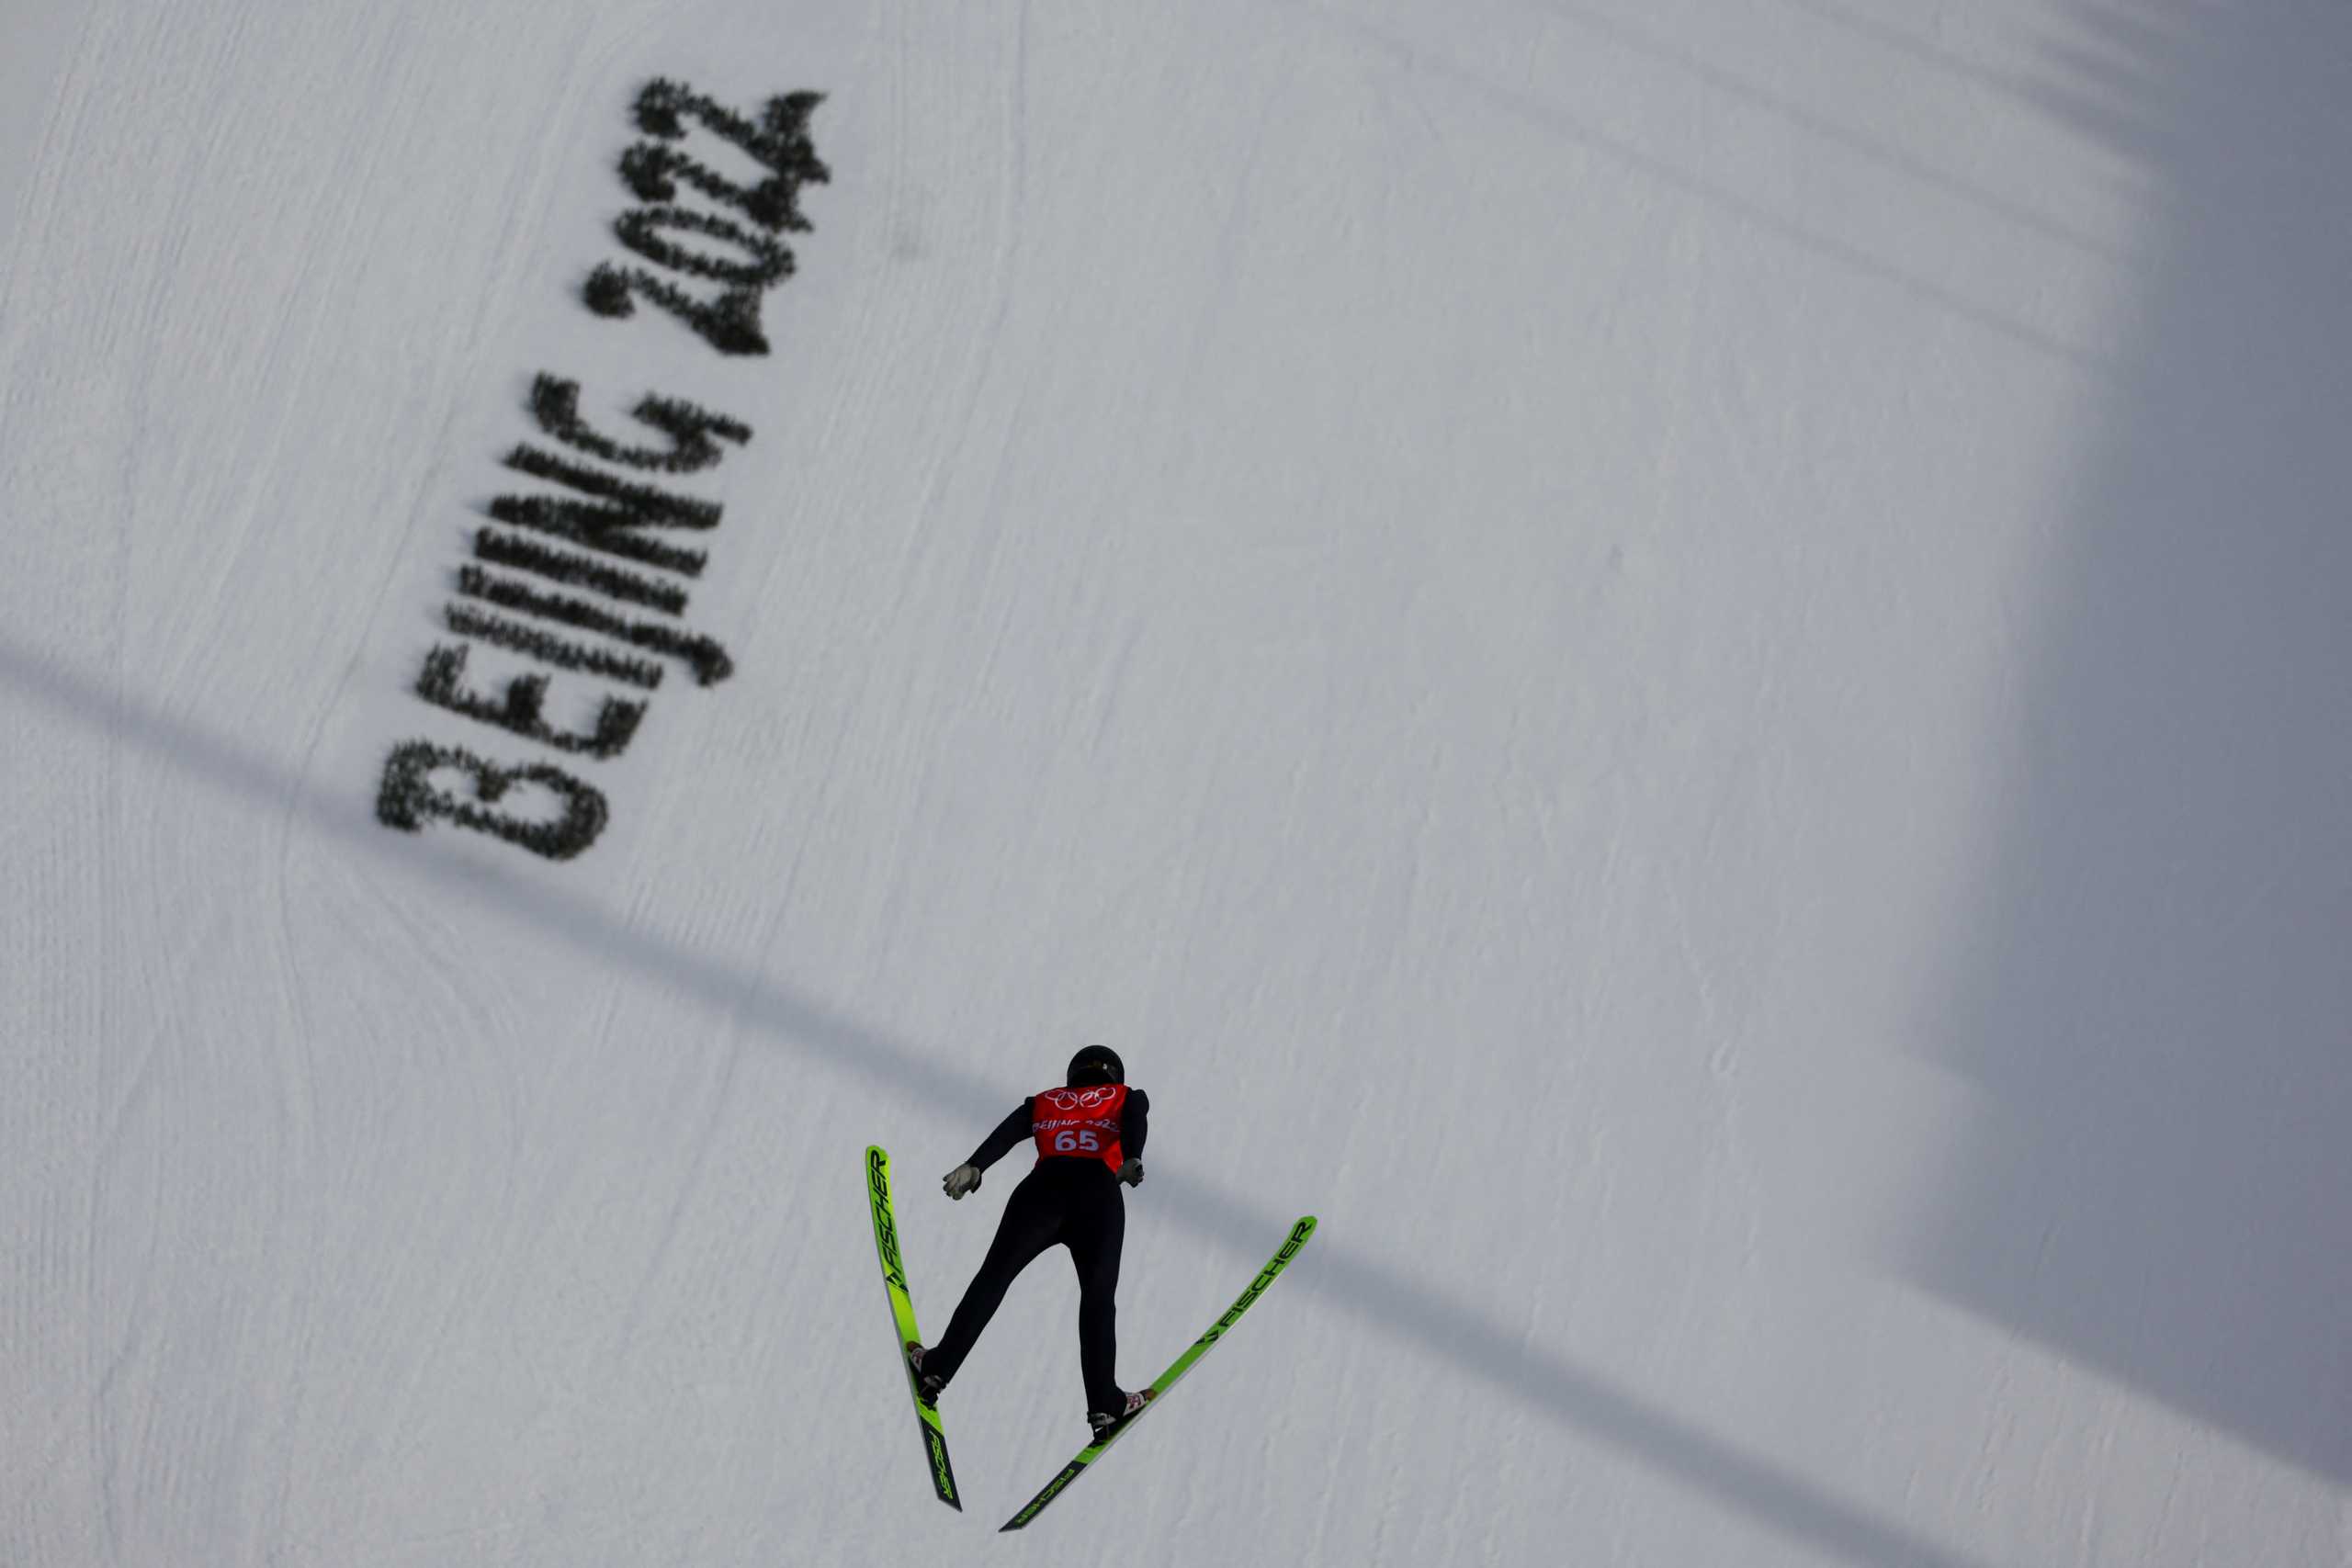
1072	1200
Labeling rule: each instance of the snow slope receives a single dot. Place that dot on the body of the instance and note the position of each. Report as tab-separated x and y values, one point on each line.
1682	663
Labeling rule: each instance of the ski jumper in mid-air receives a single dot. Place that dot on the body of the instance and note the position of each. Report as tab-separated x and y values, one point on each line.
1088	1134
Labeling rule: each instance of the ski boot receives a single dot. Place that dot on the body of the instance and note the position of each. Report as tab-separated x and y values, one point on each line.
927	1385
1106	1423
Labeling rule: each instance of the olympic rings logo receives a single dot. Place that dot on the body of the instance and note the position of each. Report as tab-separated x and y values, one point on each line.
1078	1099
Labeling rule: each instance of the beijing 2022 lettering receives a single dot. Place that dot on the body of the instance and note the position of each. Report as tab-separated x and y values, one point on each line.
600	553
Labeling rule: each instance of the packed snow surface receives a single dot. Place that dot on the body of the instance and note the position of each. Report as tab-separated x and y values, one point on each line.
1686	663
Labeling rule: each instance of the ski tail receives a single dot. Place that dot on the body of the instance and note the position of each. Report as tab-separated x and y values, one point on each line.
1300	1235
903	1317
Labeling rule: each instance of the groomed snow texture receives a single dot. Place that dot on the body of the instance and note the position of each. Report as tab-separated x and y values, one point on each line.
1687	663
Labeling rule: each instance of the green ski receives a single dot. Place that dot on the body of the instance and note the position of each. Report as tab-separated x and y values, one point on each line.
1299	1234
902	1314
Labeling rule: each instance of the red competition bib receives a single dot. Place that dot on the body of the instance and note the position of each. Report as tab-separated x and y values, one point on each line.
1078	1124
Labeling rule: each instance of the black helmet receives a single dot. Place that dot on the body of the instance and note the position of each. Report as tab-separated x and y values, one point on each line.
1096	1064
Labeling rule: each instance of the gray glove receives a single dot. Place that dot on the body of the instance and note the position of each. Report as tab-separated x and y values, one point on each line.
962	1179
1131	1173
